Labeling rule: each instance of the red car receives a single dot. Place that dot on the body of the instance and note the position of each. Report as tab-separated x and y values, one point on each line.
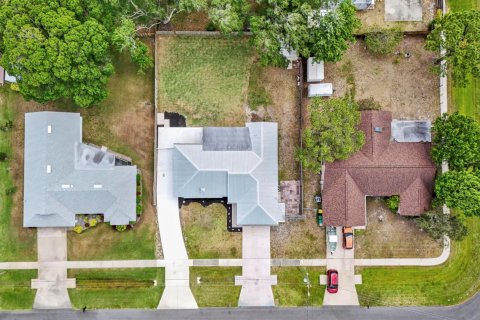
332	281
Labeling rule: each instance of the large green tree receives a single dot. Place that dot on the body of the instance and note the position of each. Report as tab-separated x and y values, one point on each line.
332	133
60	48
458	34
318	28
456	139
459	189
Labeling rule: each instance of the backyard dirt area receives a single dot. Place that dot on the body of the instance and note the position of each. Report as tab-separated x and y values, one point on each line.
390	235
406	86
376	16
300	239
205	232
280	84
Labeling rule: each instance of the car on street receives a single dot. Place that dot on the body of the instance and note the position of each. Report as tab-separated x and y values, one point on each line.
347	237
332	281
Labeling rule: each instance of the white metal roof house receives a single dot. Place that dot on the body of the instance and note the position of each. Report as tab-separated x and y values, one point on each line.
240	164
64	177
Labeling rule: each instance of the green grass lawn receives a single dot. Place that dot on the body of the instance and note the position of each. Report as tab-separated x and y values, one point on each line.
206	235
15	290
450	283
205	78
117	288
17	243
216	287
291	290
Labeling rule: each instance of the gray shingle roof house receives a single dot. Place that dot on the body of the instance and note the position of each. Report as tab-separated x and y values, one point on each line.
64	177
238	163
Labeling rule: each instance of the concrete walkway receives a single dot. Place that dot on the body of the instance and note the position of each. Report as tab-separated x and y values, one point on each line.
177	293
343	261
52	282
256	280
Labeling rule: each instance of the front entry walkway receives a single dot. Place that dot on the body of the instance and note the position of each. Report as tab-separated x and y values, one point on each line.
52	282
177	293
256	280
343	261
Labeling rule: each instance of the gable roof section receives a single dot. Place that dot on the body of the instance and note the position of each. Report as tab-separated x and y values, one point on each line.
381	168
244	170
64	177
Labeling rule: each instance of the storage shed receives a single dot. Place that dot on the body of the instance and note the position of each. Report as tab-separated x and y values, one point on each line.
363	4
315	70
320	90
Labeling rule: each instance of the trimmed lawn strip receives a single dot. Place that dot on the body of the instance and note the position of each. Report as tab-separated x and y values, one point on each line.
117	288
217	286
18	243
15	290
204	78
451	283
291	290
205	232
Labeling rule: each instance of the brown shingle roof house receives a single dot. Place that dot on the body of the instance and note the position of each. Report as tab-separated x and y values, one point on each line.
382	167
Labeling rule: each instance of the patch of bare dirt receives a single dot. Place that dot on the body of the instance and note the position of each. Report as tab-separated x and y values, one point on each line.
281	86
302	239
390	235
406	86
376	16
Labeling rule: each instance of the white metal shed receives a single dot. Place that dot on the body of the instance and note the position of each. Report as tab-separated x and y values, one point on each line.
315	70
320	90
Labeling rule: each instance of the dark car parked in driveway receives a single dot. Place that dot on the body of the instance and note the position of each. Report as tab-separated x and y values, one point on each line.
332	281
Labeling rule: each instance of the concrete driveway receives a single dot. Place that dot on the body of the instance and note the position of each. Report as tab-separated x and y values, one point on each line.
343	261
177	293
52	282
256	280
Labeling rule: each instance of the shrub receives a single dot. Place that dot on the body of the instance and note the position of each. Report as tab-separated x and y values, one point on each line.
211	26
368	104
383	41
85	219
139	210
14	87
3	156
437	224
392	203
92	222
78	229
121	228
10	191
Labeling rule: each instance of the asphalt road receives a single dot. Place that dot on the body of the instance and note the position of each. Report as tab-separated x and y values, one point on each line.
470	310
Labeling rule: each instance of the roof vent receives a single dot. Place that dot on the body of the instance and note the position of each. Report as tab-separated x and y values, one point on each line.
49	168
97	186
203	189
378	129
67	186
49	129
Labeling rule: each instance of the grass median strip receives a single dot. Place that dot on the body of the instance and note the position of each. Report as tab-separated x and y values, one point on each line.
291	290
117	288
215	287
15	289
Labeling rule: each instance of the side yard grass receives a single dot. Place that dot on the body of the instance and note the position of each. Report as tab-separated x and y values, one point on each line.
117	288
451	283
17	243
215	287
291	290
15	290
